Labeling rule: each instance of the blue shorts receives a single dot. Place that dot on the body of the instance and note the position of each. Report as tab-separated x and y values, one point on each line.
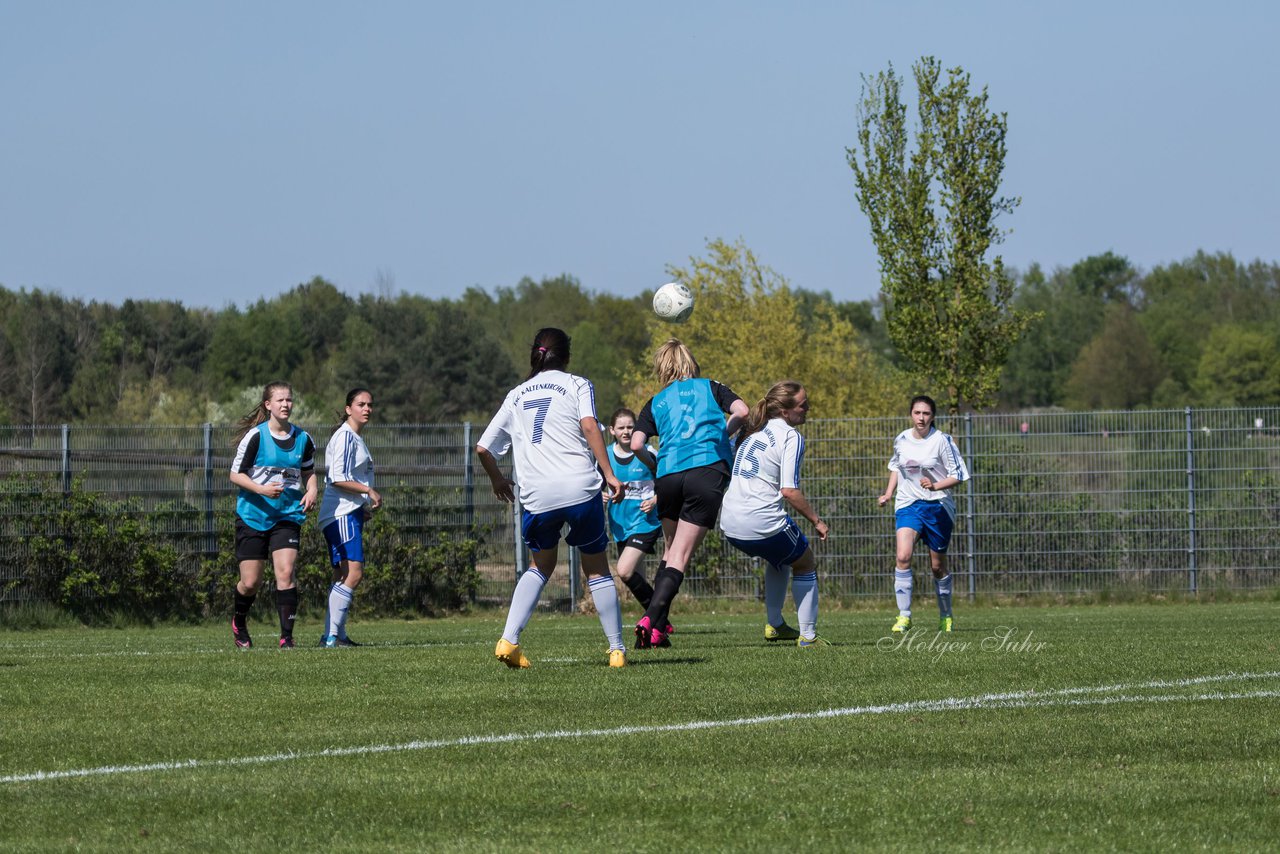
931	520
541	531
780	549
345	536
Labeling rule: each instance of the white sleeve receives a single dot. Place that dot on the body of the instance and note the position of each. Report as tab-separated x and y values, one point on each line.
336	456
791	454
893	458
955	464
497	436
586	399
237	462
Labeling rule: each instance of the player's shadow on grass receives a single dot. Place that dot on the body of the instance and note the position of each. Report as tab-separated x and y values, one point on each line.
643	660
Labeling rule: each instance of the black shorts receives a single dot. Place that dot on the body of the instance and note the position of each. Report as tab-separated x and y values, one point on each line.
252	544
693	495
644	542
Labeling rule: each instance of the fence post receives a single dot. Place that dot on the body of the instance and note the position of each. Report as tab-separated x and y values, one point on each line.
970	518
1191	506
468	477
66	459
210	529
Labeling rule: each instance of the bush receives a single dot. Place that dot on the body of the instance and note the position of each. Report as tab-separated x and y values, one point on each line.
99	557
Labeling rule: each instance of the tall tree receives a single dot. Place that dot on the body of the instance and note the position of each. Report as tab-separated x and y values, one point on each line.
947	307
39	335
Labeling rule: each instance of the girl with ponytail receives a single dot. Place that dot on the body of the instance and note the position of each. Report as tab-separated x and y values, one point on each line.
766	479
549	423
692	468
274	466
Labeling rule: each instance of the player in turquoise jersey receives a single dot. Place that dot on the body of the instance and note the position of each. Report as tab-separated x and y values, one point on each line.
692	468
274	467
633	521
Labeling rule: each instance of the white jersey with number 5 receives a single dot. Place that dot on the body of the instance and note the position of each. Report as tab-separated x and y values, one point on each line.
767	462
541	421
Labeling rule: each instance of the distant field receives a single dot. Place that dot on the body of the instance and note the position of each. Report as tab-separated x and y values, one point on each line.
1133	727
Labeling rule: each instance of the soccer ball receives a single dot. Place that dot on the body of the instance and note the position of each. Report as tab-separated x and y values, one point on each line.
673	302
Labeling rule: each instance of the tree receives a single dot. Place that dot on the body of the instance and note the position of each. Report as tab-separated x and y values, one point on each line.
1239	366
748	331
38	347
947	307
1069	308
1182	302
1119	368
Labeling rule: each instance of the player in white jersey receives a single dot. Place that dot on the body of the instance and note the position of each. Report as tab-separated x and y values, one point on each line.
924	467
349	499
766	478
549	423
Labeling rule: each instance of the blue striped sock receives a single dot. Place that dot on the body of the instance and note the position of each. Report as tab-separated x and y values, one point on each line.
804	589
943	586
903	582
340	599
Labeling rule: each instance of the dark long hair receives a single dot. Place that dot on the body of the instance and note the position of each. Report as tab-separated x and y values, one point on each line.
351	395
923	398
550	351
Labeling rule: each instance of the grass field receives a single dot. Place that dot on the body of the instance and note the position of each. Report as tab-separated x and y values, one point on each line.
1132	727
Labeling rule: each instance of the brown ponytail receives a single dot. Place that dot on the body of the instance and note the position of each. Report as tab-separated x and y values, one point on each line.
259	413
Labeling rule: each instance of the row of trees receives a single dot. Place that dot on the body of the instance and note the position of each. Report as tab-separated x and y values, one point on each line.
1201	332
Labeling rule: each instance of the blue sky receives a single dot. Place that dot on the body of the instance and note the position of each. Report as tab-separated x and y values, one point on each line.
221	152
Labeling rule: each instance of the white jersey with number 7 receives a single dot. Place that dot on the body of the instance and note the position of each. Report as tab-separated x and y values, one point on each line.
540	420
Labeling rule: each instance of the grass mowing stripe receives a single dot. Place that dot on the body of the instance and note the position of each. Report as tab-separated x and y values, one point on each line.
1009	700
224	650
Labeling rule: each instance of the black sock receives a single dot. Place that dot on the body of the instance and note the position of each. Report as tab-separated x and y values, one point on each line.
240	611
666	584
287	606
639	588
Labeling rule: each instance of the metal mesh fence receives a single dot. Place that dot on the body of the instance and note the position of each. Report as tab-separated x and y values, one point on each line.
1170	500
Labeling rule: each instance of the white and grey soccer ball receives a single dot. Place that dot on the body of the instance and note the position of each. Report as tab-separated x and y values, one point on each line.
673	302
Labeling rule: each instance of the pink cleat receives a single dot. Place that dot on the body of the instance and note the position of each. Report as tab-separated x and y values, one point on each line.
644	632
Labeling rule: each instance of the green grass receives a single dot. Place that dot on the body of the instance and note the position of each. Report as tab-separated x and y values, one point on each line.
1143	767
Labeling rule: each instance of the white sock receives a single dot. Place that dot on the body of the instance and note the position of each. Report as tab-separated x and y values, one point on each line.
340	598
605	596
902	585
943	586
775	593
523	601
804	589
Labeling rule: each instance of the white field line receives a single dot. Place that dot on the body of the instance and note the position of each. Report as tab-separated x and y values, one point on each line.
1110	695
